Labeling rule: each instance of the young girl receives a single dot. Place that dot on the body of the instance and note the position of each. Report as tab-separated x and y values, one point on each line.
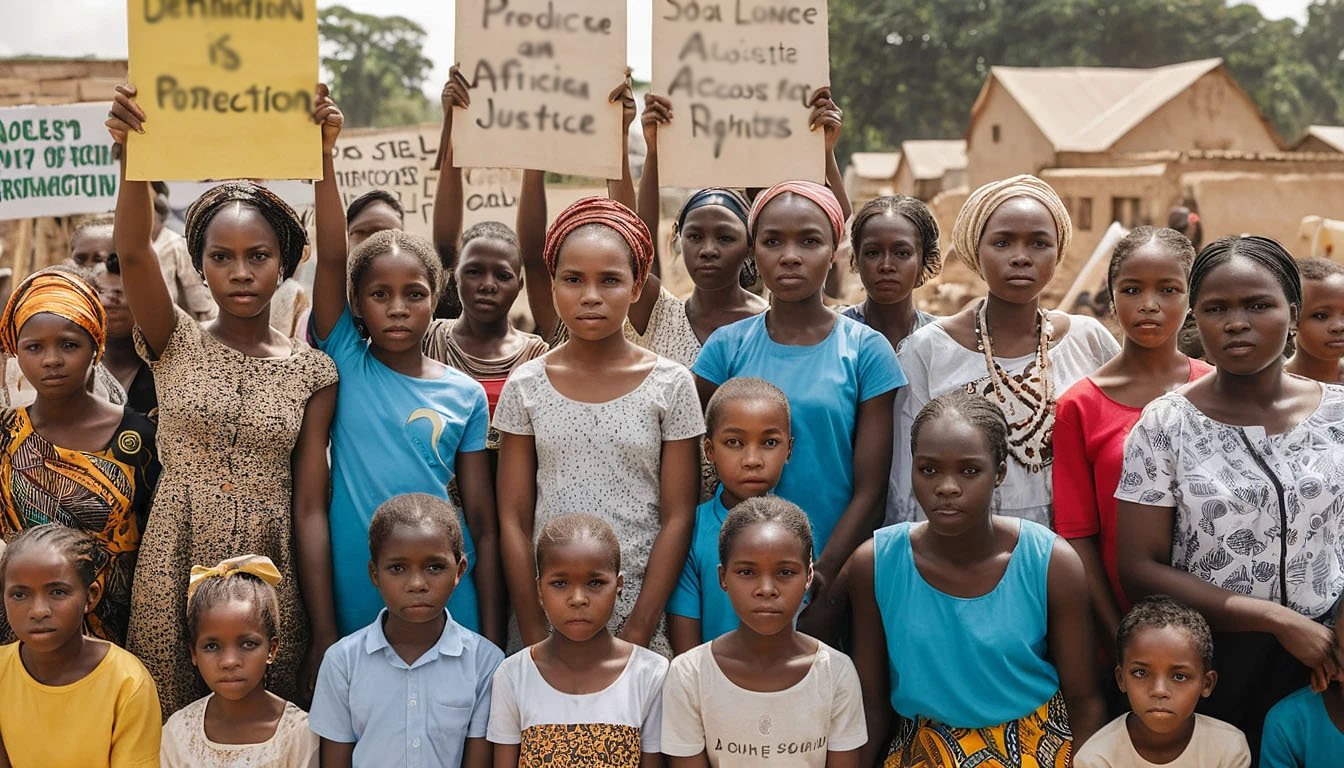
1320	325
764	694
120	357
243	419
481	341
1227	495
840	378
600	425
581	696
71	457
972	627
1164	666
1306	728
1148	284
1013	233
413	687
233	618
430	422
747	441
895	242
67	699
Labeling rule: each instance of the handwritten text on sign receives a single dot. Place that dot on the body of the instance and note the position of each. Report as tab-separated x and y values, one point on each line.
227	89
541	72
56	161
739	74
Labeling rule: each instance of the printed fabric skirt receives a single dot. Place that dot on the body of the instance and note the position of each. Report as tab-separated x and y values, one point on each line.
1042	739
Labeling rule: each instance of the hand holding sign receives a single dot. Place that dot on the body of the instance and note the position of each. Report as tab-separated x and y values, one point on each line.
329	116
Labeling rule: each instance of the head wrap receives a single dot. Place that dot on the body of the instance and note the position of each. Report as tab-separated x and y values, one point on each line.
608	213
822	196
289	230
982	204
728	198
62	293
259	566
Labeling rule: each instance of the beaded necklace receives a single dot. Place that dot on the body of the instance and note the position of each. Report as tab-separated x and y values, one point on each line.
1029	403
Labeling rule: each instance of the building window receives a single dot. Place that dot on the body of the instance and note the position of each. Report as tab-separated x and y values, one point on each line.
1083	216
1126	210
995	133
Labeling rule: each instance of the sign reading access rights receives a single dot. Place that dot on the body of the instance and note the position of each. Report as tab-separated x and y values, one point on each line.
227	89
56	161
739	74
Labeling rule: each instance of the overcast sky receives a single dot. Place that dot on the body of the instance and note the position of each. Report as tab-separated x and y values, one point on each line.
98	28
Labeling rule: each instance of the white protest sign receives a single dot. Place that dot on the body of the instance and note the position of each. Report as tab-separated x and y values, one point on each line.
56	161
739	74
541	72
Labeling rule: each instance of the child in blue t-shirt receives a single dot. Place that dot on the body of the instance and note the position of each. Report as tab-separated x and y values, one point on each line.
748	440
1306	728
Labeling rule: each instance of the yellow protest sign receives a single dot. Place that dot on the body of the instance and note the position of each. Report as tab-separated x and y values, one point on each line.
541	72
227	89
739	74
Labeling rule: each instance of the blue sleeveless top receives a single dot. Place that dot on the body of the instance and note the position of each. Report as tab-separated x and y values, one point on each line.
966	662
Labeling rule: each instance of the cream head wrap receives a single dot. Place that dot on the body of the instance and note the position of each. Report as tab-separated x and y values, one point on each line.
982	204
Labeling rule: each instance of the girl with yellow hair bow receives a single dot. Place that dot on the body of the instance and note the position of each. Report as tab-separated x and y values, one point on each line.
72	457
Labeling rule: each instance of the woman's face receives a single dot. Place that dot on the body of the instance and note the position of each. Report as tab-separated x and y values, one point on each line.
714	245
1243	317
1019	250
376	217
889	258
112	294
594	283
489	277
1150	292
242	260
794	247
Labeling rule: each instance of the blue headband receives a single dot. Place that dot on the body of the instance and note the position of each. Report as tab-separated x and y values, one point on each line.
726	198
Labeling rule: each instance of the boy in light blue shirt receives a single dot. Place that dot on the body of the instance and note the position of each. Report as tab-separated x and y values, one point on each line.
412	688
748	440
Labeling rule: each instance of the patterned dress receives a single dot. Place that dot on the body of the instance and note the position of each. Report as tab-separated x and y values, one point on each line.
228	424
105	493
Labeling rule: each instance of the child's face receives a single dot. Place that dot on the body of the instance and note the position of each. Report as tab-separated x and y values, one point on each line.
794	247
45	598
92	246
1164	677
578	585
1151	295
395	301
1019	250
55	355
594	284
416	572
1320	331
488	279
242	261
955	474
749	447
232	649
766	577
890	257
714	245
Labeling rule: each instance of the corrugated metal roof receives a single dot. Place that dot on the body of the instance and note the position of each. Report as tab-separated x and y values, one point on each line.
931	158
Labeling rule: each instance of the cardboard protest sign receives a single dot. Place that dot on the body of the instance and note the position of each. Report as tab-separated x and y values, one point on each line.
227	89
541	72
401	161
739	74
56	161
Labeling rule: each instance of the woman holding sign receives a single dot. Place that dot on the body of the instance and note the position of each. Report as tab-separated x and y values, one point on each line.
243	420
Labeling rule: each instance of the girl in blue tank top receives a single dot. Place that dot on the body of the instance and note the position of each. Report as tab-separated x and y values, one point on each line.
973	628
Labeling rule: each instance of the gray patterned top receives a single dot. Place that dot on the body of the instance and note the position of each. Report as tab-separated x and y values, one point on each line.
1229	519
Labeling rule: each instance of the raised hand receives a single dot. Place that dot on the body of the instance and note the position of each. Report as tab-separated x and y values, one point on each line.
657	111
327	115
456	93
125	115
827	116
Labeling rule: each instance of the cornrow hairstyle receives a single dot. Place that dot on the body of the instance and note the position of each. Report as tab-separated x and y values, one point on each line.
75	545
367	199
919	214
1174	243
289	231
239	587
415	510
391	241
1158	611
743	388
1265	252
765	509
567	529
1316	268
976	410
490	230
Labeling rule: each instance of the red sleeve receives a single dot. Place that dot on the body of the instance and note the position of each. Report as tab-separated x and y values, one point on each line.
1075	493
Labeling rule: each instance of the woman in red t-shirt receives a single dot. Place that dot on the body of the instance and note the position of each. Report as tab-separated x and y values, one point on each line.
1148	282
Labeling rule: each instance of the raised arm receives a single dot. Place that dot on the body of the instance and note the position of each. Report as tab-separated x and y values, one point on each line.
329	292
870	656
531	229
622	190
830	118
146	293
448	195
657	112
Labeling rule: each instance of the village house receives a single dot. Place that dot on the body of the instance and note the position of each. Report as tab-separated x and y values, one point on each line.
928	167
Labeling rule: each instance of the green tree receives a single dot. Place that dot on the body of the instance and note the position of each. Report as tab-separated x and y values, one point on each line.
377	70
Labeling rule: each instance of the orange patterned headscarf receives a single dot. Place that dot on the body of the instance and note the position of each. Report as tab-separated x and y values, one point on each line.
62	293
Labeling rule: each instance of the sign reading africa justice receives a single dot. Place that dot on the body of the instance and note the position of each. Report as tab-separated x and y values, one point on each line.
56	161
541	74
227	89
739	74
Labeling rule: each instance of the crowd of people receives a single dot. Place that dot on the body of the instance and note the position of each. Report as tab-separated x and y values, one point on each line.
719	530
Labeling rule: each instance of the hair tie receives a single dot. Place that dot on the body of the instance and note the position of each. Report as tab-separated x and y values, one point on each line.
1193	218
259	566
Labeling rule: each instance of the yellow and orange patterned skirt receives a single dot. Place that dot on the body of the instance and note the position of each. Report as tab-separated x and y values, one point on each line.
1042	739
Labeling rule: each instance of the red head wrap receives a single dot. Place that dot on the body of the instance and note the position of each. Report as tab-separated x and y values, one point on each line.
608	213
822	196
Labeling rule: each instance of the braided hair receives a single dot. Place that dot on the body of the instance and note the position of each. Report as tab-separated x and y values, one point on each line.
1174	243
976	410
568	529
415	510
1266	253
289	231
765	509
919	214
75	545
236	587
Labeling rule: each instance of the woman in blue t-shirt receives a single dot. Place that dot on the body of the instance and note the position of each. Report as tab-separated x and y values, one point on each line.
840	377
